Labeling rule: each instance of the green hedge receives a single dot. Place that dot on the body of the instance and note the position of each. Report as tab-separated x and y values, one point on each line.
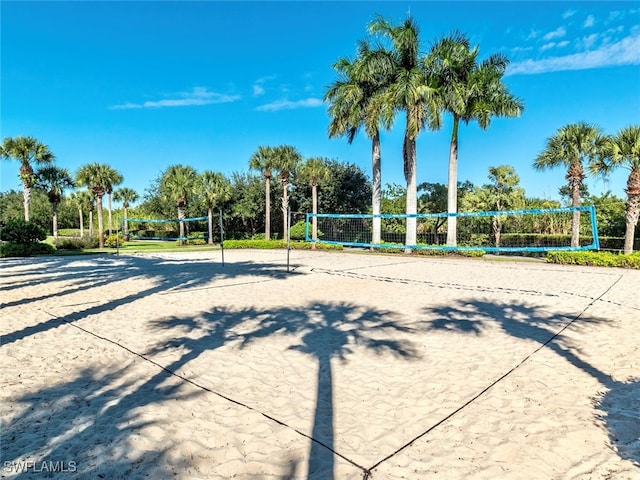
270	244
25	249
597	259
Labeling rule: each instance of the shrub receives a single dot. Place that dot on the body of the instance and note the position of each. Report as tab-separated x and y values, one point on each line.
21	231
299	230
77	243
114	240
25	249
597	259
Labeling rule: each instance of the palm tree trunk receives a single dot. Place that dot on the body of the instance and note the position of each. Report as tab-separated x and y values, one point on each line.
181	223
26	194
409	154
452	188
376	191
285	209
55	220
267	208
314	220
100	222
575	222
80	216
210	215
126	223
91	222
109	207
633	208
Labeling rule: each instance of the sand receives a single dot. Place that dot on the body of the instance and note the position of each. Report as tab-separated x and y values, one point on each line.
348	366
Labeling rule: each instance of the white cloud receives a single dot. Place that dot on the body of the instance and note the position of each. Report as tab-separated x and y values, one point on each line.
290	105
557	33
197	97
589	22
258	90
568	13
564	43
623	52
547	46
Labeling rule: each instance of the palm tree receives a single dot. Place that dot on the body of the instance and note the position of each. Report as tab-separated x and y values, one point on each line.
412	91
115	178
178	183
354	103
28	151
285	161
468	91
571	146
623	150
54	181
216	190
96	177
126	196
79	199
262	160
315	171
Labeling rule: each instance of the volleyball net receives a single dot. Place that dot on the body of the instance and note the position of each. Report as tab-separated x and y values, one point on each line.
194	228
536	230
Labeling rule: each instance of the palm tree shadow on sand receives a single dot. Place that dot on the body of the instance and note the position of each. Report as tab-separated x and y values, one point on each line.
92	418
323	331
619	405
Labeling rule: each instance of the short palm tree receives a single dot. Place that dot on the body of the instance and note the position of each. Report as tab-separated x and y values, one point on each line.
216	190
179	183
80	199
127	196
353	104
54	180
414	92
262	160
315	171
96	177
285	161
115	178
574	146
29	152
623	150
468	91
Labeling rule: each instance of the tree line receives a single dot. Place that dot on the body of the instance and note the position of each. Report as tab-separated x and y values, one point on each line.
389	76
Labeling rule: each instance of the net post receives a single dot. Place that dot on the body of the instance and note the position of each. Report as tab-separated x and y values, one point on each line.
594	227
221	238
306	228
288	235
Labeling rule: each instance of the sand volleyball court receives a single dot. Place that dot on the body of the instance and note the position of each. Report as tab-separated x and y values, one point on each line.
350	366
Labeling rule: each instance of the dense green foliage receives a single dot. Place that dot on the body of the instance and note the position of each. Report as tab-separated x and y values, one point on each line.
597	259
22	239
20	231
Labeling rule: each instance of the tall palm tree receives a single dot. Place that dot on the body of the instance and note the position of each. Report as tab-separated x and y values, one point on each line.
413	92
54	180
96	177
115	178
315	171
126	196
352	105
572	146
285	161
623	150
262	160
216	190
179	183
468	91
28	151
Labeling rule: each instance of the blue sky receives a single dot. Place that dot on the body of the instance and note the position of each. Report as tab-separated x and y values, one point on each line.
144	85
